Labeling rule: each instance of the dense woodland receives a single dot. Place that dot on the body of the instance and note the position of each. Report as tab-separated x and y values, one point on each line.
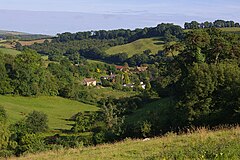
201	84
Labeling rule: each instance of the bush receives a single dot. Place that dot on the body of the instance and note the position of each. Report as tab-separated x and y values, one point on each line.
31	143
3	115
36	122
99	137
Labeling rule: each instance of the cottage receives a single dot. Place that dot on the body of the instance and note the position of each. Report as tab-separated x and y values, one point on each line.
141	69
89	82
120	68
110	78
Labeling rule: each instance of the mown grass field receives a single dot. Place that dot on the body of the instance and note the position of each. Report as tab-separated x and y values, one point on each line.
138	46
200	144
58	109
9	51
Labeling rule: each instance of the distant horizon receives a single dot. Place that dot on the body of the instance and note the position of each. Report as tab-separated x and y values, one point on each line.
57	16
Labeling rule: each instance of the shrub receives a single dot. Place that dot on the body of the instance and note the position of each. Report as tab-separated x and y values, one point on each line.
3	115
36	122
31	143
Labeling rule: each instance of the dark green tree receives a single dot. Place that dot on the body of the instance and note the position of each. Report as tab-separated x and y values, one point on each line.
36	122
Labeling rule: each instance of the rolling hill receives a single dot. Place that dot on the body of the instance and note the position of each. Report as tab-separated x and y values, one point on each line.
9	35
5	32
58	109
138	46
200	144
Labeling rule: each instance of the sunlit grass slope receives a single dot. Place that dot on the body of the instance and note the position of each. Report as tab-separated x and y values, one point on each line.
138	46
9	51
58	109
202	144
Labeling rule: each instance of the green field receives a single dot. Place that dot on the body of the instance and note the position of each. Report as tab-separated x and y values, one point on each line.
138	46
99	93
58	109
235	30
200	144
231	29
9	51
228	29
159	106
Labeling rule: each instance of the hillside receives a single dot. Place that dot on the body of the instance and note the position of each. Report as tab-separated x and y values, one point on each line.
9	35
202	144
10	51
5	32
58	109
138	46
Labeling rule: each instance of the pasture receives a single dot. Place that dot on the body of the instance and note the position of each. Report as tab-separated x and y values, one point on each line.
58	109
138	46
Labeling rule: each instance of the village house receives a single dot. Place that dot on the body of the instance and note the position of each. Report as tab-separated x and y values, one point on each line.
141	69
110	78
89	82
122	68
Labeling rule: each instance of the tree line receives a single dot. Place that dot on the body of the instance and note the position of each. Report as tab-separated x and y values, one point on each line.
125	35
207	24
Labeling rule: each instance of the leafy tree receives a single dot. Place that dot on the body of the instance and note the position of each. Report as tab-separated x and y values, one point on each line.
146	128
3	114
5	86
83	122
26	78
36	122
126	78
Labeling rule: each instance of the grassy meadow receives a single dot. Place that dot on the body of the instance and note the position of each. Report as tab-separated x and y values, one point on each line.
199	144
99	93
231	29
9	51
138	46
58	109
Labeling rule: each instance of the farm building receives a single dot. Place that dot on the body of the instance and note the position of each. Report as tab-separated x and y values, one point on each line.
89	82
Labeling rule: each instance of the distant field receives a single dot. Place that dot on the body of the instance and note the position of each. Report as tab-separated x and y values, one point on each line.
103	92
138	46
95	61
201	144
56	108
9	51
232	30
11	43
228	29
28	43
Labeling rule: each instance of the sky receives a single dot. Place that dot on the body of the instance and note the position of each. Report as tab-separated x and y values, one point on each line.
54	16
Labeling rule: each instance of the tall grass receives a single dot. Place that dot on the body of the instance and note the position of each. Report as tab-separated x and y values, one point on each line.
200	144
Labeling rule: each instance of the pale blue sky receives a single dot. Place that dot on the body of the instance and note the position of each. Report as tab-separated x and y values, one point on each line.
139	12
96	6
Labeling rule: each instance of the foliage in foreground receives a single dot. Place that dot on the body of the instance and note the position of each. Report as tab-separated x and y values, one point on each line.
201	144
